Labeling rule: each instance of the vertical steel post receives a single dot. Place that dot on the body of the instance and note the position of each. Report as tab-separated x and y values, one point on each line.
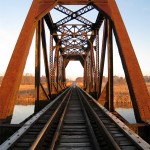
45	57
63	72
51	60
110	66
60	70
97	64
85	75
91	74
103	51
92	68
37	60
56	65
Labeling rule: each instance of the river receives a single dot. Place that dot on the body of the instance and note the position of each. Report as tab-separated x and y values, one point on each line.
23	111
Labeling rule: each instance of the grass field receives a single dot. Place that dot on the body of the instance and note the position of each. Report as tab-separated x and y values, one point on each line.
121	93
26	87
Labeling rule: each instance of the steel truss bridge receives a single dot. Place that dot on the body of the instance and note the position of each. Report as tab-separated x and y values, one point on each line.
74	119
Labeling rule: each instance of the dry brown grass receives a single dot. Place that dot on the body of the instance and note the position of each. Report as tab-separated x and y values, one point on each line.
121	93
121	88
26	87
25	99
26	95
69	83
80	84
148	87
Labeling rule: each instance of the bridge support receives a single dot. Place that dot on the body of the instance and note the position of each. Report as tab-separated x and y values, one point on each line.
113	23
13	76
141	102
14	72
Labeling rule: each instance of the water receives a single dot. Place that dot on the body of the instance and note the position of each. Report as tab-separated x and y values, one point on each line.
127	113
21	112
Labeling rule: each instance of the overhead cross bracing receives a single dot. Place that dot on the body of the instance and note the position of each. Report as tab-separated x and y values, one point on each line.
75	38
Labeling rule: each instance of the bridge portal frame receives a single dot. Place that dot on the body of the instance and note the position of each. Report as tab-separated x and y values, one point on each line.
39	8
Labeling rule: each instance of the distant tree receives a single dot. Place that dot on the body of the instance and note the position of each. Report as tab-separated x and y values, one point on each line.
1	78
122	80
147	78
43	79
79	79
28	79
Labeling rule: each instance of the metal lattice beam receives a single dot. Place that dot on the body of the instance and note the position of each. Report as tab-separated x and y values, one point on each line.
74	15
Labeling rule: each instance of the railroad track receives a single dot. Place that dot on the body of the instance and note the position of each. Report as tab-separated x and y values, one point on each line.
74	120
110	129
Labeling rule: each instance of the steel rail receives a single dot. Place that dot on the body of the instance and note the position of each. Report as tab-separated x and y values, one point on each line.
104	129
92	111
57	132
10	142
137	140
40	137
89	126
74	133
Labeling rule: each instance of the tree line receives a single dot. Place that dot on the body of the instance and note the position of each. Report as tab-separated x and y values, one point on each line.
29	79
117	79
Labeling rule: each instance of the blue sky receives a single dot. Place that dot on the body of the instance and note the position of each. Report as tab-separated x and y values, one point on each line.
135	13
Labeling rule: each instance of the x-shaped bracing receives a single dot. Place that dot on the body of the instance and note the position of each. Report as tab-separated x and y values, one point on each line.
74	15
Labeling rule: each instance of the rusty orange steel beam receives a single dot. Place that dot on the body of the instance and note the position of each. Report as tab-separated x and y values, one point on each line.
16	65
14	72
137	87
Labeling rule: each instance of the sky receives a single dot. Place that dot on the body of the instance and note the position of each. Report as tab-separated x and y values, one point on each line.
135	13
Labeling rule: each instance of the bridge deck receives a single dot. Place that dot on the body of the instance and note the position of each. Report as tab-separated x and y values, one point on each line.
74	120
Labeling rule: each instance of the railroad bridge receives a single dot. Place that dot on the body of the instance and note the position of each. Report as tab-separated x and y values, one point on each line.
69	117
